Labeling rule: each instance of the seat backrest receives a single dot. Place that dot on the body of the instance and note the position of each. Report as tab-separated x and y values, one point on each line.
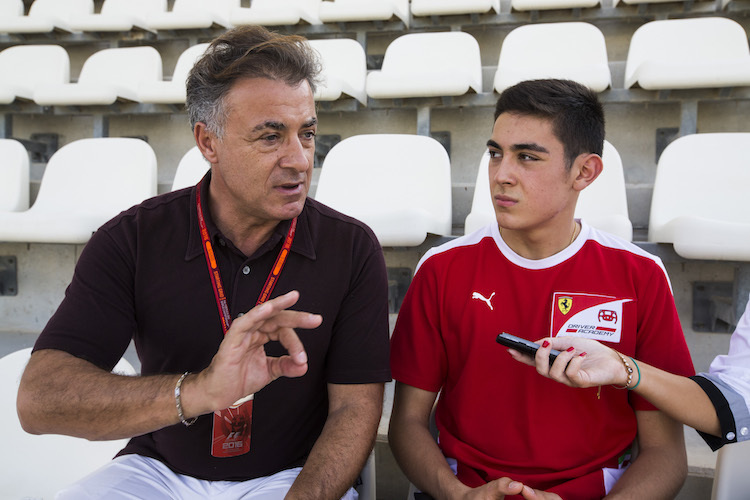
690	41
603	204
140	8
450	7
186	61
192	167
214	6
432	52
39	466
575	51
400	175
14	176
681	187
731	478
11	8
23	67
344	68
124	67
60	9
97	177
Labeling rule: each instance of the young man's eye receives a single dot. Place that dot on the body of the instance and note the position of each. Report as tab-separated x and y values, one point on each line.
495	154
526	157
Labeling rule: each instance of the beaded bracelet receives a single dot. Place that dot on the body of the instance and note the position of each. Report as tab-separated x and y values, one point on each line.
178	402
630	373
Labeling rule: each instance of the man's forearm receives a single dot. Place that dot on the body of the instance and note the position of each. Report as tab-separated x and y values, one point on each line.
76	398
342	449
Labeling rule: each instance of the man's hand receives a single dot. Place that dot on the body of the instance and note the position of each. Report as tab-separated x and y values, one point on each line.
499	488
241	367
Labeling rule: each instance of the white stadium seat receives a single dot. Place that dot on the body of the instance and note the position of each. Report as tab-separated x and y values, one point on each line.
525	5
192	167
276	13
193	14
364	10
119	15
702	218
38	466
452	7
602	205
574	51
11	9
428	65
46	16
106	76
85	183
688	53
14	176
24	67
344	69
172	91
399	185
731	480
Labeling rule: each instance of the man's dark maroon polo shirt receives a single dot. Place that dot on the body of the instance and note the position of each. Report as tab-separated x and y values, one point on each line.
143	275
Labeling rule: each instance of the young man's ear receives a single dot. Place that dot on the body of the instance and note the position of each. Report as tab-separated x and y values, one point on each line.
588	169
206	142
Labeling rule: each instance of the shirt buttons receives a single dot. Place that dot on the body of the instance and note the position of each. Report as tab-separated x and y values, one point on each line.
240	315
744	431
222	242
246	270
730	436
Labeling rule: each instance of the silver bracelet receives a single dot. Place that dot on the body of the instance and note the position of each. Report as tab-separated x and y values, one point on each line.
178	402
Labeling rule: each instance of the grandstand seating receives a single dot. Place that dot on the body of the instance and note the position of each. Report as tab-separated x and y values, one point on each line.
344	69
450	7
106	76
398	184
276	12
172	91
14	176
11	9
46	16
86	182
575	51
24	67
38	466
119	15
428	64
699	202
364	10
603	204
731	480
192	14
688	53
192	167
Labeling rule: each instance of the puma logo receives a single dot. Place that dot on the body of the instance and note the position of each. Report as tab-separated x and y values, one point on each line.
488	301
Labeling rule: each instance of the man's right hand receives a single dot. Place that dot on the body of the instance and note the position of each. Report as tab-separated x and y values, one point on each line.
241	367
499	488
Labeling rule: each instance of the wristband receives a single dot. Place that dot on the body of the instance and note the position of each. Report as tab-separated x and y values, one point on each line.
627	369
639	374
178	402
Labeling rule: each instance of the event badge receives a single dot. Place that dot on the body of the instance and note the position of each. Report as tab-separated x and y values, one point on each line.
231	429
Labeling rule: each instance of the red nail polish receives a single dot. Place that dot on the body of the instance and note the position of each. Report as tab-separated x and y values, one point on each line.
571	349
545	344
582	354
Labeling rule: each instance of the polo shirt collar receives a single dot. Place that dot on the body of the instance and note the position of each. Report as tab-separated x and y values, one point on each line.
302	245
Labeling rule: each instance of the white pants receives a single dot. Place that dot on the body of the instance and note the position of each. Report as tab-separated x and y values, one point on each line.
134	477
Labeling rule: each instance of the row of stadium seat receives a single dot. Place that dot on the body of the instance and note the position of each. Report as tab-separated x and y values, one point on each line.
671	54
46	16
408	193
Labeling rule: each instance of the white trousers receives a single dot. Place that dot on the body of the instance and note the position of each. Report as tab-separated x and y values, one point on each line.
134	477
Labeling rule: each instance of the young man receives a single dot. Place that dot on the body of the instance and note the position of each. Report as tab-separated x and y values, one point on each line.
176	274
503	429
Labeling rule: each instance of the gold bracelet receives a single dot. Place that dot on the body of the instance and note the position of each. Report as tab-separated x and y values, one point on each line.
178	402
628	369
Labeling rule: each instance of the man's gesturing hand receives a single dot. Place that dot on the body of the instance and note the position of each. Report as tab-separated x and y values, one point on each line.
241	367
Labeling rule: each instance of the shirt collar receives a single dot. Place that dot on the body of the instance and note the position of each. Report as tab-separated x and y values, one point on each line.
303	243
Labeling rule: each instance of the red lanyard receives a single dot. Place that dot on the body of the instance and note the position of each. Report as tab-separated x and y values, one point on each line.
213	267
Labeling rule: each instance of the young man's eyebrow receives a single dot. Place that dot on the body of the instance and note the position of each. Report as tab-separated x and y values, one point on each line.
532	146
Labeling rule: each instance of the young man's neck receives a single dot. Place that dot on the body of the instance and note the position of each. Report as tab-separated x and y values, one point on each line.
536	245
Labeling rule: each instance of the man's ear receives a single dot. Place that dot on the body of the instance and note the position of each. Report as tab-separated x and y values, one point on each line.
588	167
206	142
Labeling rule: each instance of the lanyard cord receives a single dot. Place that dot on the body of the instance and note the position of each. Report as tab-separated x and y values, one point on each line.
213	267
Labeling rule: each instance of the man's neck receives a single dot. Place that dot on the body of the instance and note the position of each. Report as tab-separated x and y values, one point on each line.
536	245
247	234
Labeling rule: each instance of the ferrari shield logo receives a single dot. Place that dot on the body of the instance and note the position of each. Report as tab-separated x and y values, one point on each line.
564	304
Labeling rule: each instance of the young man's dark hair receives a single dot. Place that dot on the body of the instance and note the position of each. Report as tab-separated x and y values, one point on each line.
575	111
